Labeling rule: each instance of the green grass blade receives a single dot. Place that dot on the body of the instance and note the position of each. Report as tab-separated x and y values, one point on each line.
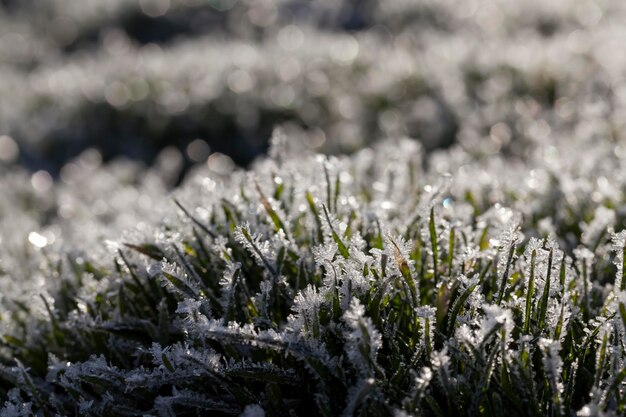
530	292
433	242
343	250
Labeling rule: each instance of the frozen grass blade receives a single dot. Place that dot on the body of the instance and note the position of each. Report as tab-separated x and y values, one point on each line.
343	250
559	326
623	281
505	275
194	220
255	248
148	249
458	305
530	292
622	313
278	223
434	245
316	216
451	250
403	266
543	307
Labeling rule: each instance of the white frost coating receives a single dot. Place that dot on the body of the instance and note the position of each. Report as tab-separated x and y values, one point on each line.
494	315
293	298
602	218
155	269
253	410
619	242
363	340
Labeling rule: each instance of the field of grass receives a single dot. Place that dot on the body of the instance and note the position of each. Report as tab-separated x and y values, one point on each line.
433	222
367	285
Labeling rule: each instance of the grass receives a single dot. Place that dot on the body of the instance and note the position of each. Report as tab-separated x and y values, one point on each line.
293	293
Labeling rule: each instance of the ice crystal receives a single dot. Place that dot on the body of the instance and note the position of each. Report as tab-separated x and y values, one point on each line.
253	410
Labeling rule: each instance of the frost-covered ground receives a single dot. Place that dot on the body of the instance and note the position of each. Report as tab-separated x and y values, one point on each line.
466	258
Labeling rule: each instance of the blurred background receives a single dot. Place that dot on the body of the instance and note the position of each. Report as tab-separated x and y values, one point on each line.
173	83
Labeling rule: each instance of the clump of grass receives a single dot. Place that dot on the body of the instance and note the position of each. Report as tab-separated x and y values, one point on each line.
347	286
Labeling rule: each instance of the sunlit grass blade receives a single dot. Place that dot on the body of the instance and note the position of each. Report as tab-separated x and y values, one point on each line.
530	290
434	245
343	250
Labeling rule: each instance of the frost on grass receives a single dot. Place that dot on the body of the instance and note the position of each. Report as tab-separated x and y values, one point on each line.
341	289
490	278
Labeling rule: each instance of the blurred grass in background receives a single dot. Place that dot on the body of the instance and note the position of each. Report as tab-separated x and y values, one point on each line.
173	81
131	78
